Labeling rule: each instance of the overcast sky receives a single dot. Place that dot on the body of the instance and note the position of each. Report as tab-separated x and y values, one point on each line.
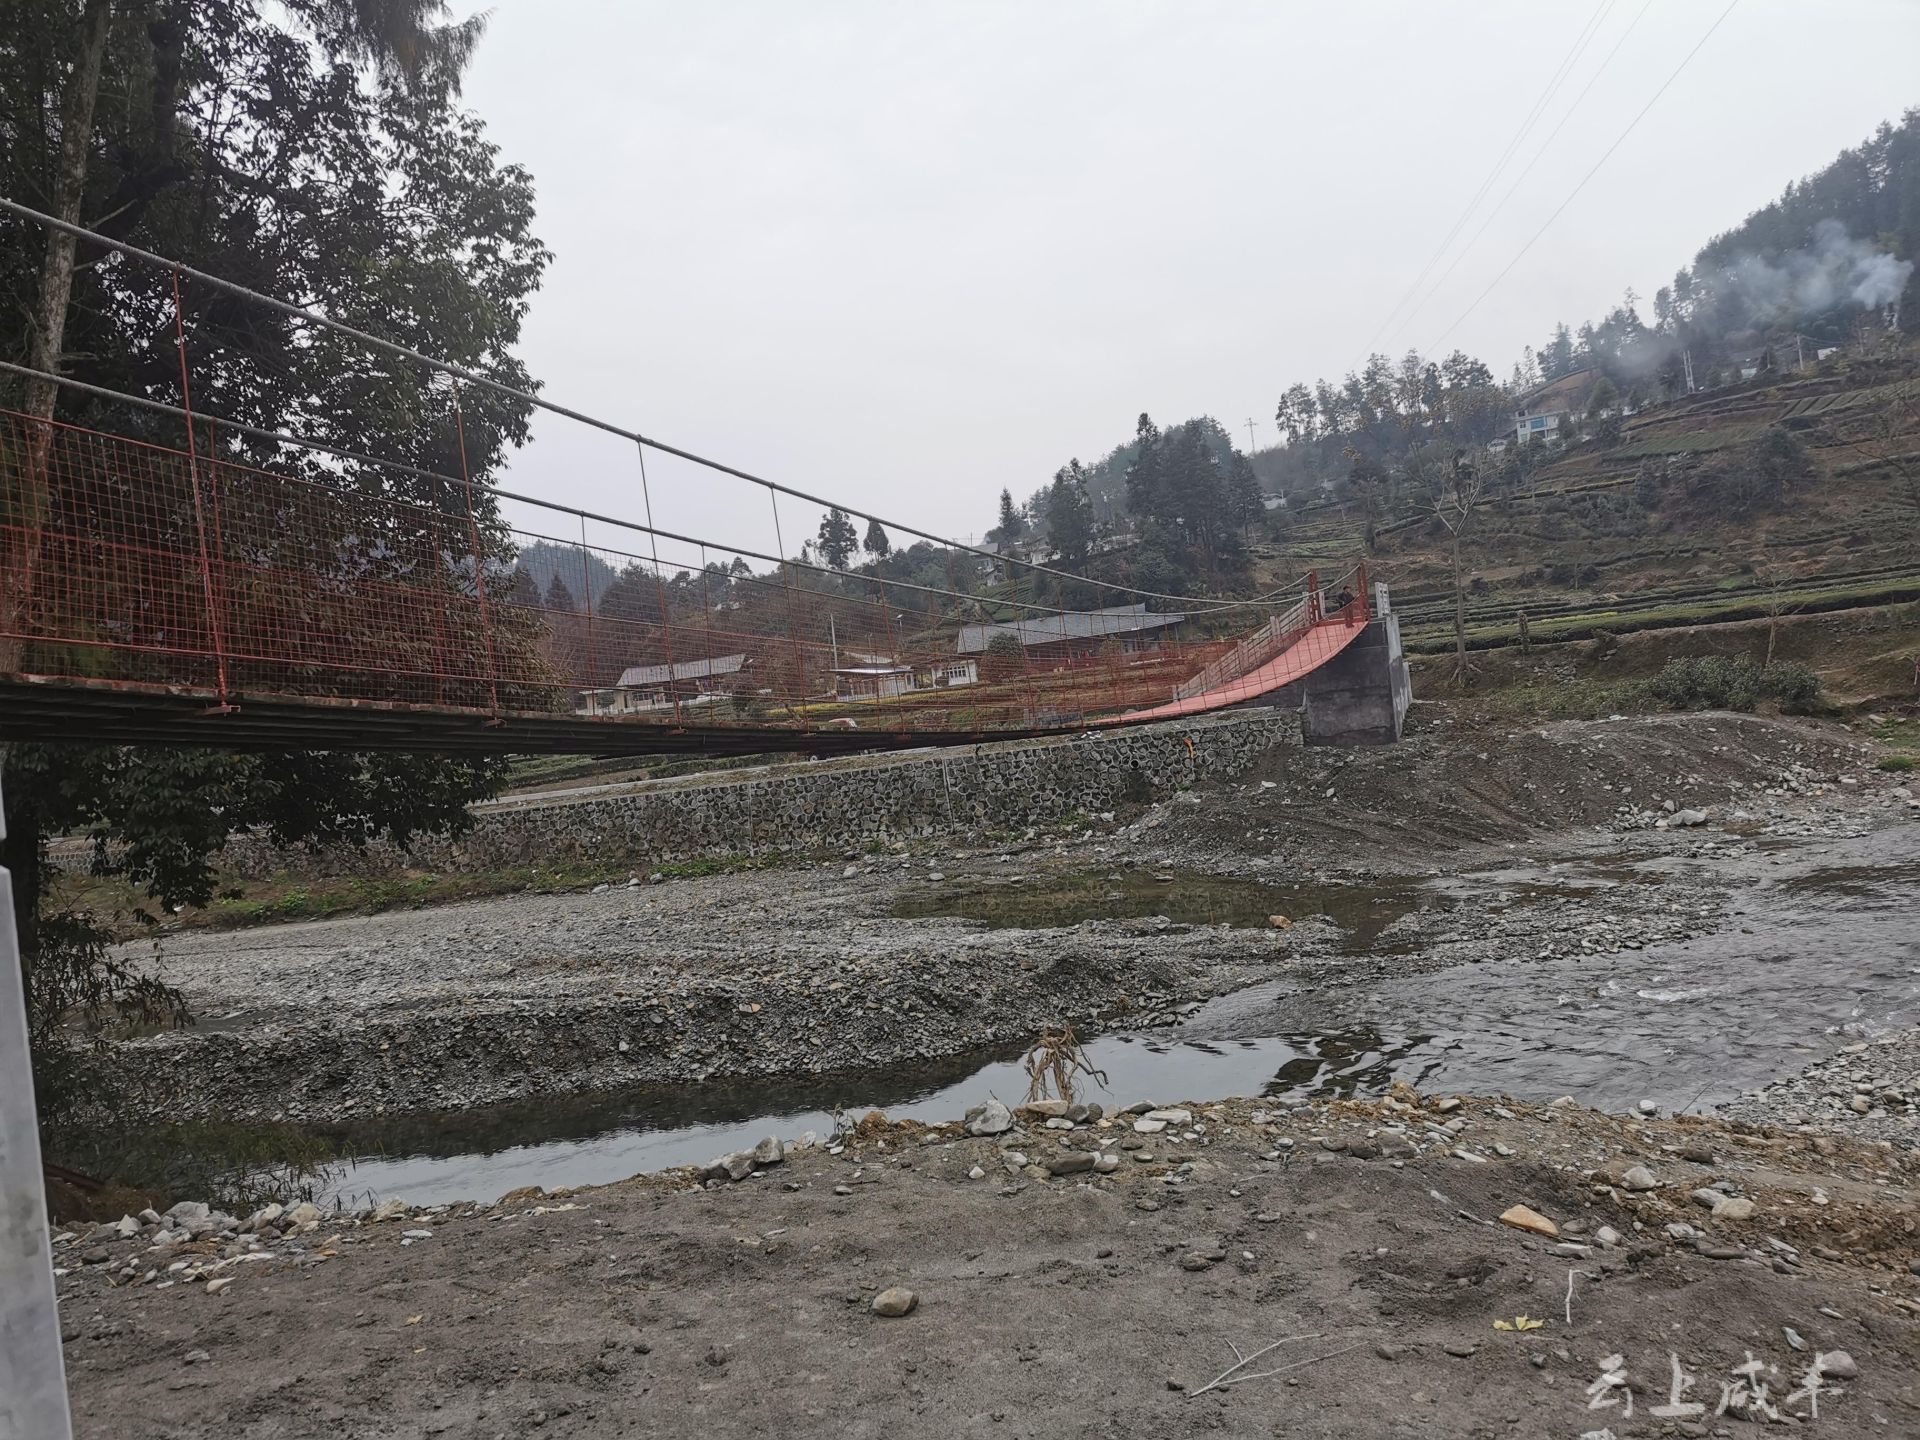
907	253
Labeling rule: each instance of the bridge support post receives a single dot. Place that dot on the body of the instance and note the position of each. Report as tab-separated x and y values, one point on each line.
33	1382
1360	697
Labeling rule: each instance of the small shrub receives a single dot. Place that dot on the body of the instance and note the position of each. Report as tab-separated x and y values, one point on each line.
1005	657
1730	682
1900	764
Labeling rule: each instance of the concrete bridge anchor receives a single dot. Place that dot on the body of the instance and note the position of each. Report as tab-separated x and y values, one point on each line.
1360	697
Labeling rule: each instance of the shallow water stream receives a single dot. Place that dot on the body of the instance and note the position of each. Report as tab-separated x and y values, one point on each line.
1822	944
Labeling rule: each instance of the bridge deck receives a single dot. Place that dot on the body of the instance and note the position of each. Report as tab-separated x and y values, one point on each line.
1312	650
110	713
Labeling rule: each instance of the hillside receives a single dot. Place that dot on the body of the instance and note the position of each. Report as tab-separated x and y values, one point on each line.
1668	525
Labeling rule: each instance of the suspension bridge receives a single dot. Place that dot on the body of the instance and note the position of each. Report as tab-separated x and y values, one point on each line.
187	579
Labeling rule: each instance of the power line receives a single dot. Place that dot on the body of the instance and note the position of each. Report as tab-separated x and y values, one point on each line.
1545	146
1732	5
297	312
1580	43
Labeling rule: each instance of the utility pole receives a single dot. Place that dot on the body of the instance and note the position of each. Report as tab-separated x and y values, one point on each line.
1252	444
33	1382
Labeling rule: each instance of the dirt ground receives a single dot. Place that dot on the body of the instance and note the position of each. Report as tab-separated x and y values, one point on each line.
1097	1305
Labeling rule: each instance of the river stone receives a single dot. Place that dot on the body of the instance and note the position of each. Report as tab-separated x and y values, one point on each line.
1639	1178
266	1215
991	1118
1070	1162
1168	1117
1522	1218
769	1151
894	1301
1837	1363
1733	1207
1149	1127
389	1209
191	1216
305	1213
1106	1164
1043	1109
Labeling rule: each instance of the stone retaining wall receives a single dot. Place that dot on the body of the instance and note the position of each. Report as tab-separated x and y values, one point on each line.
822	805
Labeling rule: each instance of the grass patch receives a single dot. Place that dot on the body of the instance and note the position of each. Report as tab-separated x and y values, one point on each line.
1734	682
285	898
1900	764
1532	701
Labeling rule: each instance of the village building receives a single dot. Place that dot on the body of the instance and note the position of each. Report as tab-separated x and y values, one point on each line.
880	679
658	687
1079	634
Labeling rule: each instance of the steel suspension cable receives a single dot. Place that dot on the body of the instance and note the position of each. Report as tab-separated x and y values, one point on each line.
402	467
470	377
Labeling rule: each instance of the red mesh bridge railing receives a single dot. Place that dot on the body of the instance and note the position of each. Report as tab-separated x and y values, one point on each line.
138	579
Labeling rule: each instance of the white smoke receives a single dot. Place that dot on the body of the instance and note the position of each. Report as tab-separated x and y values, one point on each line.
1835	270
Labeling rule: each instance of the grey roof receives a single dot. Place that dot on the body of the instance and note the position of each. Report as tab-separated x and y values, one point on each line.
1077	625
637	675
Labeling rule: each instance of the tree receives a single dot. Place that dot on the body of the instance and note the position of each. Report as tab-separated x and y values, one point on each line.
1011	526
876	544
312	151
1557	358
1245	501
1147	472
1005	656
1070	514
837	538
634	596
1455	492
559	597
521	590
1605	397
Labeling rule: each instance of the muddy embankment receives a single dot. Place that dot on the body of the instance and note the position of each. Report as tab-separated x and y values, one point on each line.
868	965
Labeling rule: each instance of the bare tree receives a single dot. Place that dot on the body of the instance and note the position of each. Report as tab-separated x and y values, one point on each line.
1456	491
1775	588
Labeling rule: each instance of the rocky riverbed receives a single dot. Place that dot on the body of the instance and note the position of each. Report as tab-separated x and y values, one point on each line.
1352	867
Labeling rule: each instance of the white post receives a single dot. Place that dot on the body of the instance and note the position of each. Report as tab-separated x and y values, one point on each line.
33	1383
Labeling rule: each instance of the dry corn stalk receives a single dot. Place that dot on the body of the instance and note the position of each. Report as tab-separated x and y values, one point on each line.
1052	1063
